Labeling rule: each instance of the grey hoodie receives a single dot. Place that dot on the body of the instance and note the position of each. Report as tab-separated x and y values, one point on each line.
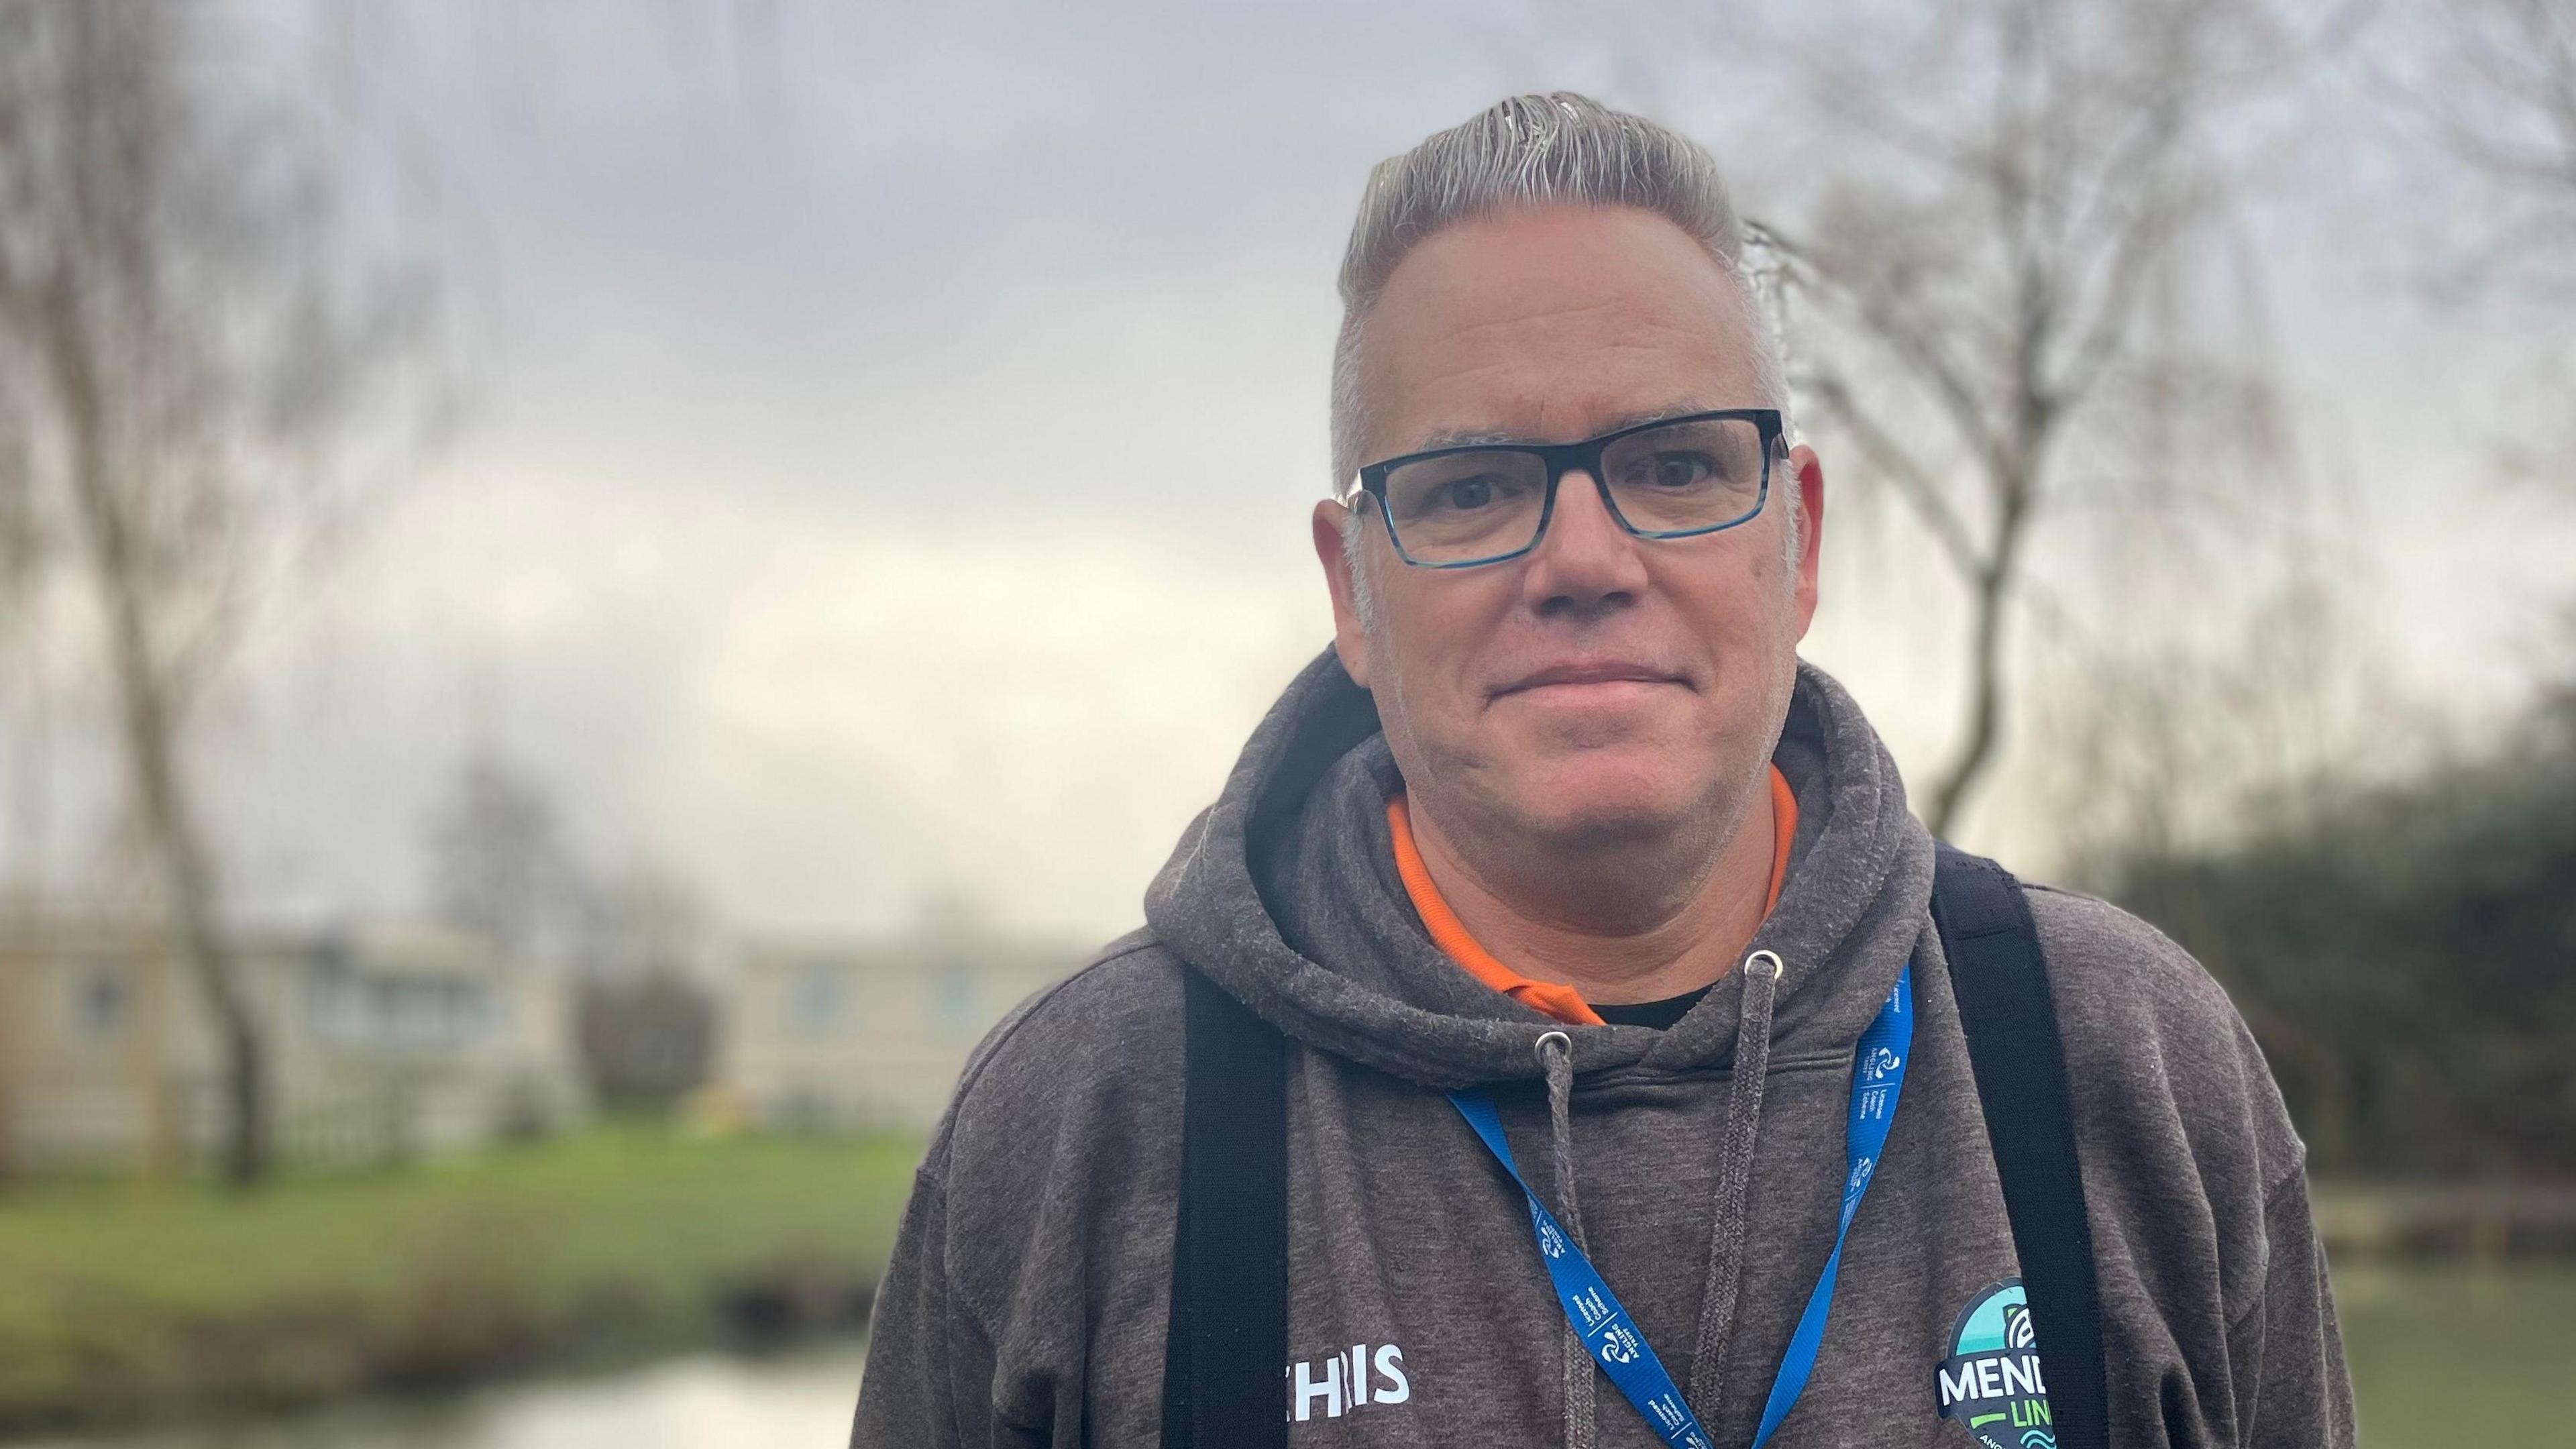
1027	1299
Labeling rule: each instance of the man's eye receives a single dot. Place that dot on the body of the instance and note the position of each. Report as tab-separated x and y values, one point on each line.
1468	494
1676	471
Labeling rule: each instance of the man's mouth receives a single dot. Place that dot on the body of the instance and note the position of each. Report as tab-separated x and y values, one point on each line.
1589	672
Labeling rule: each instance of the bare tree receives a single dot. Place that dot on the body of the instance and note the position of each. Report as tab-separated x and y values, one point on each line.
2489	88
2494	84
499	864
644	921
1996	291
502	867
191	340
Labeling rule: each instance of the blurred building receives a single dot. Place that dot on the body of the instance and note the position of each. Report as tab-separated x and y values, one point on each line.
382	1042
858	1037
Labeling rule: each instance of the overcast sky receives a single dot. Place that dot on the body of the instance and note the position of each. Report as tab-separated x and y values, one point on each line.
892	429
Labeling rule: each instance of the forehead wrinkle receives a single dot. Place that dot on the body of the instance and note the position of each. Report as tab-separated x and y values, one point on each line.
1527	305
1500	437
1629	328
1503	370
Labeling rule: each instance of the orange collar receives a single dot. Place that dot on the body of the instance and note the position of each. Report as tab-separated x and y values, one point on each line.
1550	998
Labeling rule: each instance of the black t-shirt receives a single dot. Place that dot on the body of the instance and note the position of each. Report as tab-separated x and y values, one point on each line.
1661	1015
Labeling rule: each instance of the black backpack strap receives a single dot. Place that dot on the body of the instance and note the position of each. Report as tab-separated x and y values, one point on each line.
1226	1354
2000	978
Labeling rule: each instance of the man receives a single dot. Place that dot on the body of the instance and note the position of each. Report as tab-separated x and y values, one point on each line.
1562	831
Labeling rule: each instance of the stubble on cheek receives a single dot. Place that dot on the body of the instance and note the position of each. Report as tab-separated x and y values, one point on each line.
1441	756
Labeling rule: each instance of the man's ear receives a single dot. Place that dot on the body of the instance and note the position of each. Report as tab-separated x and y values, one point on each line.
1350	638
1809	473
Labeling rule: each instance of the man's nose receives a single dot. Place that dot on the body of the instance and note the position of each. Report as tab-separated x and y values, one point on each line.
1587	563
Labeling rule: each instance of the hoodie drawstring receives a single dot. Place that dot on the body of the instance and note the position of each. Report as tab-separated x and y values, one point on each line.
1556	1058
1726	1220
1734	1172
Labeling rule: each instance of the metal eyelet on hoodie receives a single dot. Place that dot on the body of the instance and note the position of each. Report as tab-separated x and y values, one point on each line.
1563	1042
1753	965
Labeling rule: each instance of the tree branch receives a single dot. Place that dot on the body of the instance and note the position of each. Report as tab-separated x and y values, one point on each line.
1912	481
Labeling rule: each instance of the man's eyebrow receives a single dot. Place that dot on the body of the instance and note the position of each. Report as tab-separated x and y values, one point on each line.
1490	437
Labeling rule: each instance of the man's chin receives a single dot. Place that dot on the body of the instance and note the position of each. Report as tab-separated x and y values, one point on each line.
1604	802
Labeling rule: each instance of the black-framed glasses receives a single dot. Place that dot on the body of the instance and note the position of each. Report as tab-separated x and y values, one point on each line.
1482	503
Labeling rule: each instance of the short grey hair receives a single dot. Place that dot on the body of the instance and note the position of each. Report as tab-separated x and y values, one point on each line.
1556	149
1559	149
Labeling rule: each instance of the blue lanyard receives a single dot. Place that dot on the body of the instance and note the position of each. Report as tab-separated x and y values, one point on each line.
1878	1076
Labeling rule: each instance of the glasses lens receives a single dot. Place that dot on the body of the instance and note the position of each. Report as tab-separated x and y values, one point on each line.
1468	505
1687	476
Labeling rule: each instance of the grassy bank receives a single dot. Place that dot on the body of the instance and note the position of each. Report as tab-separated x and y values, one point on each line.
2455	1353
631	1241
618	1242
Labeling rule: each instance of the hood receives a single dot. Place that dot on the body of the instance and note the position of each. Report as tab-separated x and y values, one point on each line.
1284	892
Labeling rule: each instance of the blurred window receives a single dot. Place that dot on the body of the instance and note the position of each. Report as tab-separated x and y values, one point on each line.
327	994
99	1001
814	1005
384	1009
955	999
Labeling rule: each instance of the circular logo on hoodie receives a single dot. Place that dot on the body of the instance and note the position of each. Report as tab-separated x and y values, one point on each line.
1990	1380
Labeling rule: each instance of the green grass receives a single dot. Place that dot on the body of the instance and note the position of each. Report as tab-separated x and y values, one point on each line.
2449	1354
623	1238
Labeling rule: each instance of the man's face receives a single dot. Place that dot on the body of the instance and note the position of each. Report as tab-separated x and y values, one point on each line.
1602	686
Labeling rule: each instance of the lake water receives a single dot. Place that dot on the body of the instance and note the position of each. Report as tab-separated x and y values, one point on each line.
692	1403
